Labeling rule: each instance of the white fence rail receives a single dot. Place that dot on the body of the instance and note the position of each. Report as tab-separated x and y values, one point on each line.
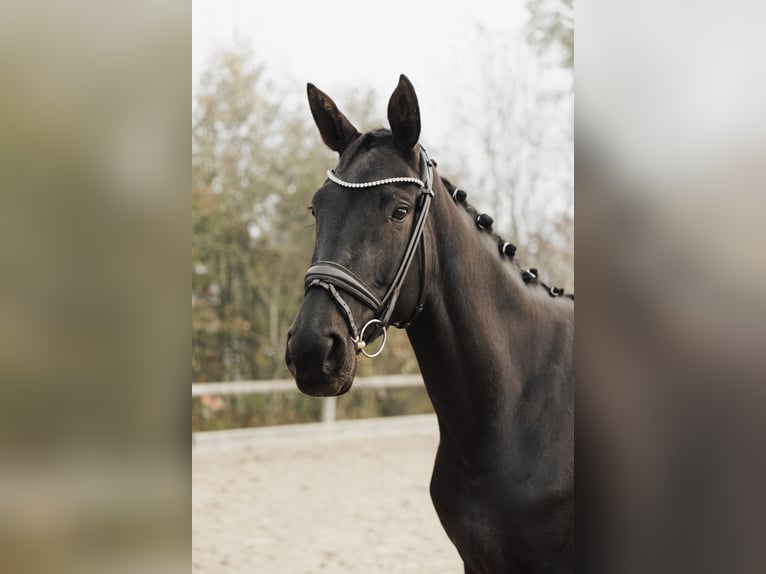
288	385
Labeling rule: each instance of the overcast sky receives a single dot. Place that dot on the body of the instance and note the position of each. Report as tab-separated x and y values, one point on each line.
341	45
455	53
347	42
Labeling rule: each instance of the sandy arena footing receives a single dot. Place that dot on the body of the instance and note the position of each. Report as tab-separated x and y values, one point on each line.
350	496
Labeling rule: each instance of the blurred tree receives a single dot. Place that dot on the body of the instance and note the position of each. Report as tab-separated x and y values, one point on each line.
364	109
551	29
255	166
518	116
249	173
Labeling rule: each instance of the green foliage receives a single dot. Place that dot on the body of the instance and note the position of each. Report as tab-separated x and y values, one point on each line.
255	166
218	413
253	174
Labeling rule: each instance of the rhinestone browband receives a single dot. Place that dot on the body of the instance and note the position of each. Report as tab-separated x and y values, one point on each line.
334	178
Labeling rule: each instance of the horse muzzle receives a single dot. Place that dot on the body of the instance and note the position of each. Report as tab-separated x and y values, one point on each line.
321	357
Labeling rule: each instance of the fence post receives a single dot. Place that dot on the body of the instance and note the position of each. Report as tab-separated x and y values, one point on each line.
328	409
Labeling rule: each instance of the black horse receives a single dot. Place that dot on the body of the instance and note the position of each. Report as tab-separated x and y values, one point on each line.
396	244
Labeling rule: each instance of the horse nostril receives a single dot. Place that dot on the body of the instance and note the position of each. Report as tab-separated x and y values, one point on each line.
289	354
336	357
308	351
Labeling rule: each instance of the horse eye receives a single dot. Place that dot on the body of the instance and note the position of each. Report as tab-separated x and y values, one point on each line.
400	213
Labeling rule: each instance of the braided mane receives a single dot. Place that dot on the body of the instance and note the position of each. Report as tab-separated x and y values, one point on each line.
530	276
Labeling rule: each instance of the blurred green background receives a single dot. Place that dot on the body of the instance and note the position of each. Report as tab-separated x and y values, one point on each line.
257	159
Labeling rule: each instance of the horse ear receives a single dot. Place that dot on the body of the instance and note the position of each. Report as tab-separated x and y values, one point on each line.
404	115
335	129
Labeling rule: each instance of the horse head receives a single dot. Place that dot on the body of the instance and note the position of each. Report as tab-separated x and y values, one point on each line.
370	216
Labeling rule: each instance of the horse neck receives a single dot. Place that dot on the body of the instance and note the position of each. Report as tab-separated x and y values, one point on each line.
477	323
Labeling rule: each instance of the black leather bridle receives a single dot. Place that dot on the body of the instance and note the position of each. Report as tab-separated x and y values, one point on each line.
332	276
